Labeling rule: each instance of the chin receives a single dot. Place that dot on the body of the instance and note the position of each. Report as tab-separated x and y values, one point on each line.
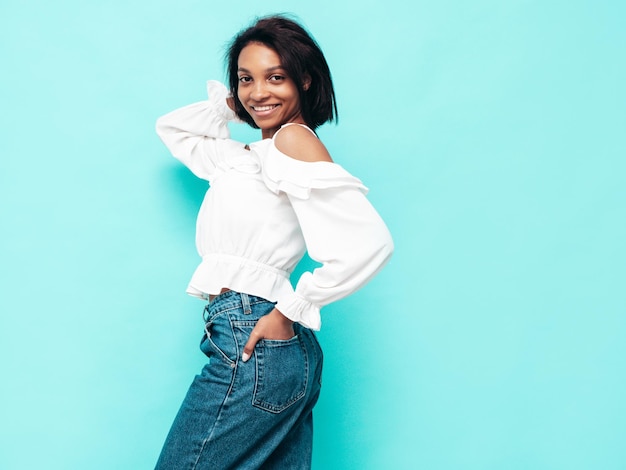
267	125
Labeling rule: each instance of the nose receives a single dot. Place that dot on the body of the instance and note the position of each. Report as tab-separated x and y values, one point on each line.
259	90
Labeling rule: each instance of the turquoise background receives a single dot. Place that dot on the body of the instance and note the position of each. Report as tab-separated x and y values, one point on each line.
492	137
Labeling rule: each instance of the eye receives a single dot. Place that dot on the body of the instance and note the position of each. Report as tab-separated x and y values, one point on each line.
244	79
276	78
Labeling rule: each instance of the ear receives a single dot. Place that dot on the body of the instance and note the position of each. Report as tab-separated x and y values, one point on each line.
306	83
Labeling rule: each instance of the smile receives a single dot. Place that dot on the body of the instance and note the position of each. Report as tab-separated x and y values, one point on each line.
264	108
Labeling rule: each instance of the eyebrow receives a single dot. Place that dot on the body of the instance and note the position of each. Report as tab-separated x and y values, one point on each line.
271	69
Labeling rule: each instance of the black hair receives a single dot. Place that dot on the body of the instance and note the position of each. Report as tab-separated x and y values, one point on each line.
302	59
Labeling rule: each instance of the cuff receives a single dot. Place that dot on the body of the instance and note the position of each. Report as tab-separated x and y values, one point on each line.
218	93
301	311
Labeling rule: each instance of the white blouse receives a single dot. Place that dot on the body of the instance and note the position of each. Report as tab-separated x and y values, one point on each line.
264	209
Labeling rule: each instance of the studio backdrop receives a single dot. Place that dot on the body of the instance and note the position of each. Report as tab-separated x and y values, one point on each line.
492	138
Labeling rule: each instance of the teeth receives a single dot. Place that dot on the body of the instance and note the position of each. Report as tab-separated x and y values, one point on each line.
263	108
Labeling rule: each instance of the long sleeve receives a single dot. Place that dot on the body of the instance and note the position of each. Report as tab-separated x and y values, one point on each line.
341	229
198	134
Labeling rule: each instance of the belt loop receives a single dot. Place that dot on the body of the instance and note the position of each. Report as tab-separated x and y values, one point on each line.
245	302
205	316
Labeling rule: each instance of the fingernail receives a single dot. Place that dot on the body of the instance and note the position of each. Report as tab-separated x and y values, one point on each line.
245	356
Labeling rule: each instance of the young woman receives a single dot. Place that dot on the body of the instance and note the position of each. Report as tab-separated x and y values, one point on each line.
268	203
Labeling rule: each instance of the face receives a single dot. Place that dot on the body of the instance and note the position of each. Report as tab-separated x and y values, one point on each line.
265	90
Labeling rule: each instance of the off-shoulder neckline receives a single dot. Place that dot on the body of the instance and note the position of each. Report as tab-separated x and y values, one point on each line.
270	142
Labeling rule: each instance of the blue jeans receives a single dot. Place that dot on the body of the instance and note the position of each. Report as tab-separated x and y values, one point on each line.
247	415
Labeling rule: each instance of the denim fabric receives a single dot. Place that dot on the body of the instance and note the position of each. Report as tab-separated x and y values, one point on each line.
247	415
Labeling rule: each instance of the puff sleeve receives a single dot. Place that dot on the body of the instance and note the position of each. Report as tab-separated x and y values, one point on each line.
198	134
341	229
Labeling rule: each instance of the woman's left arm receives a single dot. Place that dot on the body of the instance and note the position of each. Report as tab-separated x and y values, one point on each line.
341	228
344	233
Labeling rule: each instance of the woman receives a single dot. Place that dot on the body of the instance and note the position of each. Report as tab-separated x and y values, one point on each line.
268	203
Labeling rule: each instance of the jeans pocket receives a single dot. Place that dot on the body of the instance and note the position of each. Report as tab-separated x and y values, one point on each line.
282	374
218	341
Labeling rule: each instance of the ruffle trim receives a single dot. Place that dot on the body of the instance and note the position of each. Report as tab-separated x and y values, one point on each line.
233	155
299	310
298	178
218	93
242	160
219	270
242	275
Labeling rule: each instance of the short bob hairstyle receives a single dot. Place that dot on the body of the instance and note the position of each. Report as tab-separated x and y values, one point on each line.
300	56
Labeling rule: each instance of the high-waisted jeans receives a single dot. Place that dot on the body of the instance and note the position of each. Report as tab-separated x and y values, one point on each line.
247	415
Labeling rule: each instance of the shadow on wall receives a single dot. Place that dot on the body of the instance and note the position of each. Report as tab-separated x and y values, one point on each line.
184	191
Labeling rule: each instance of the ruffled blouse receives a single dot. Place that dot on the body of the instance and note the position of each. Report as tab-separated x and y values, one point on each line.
264	210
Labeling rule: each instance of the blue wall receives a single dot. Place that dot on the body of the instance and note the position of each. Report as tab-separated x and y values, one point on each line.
492	137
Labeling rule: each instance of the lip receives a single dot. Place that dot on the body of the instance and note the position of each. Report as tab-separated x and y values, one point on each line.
264	110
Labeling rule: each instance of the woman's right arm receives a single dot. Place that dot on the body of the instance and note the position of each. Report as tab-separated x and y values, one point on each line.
198	134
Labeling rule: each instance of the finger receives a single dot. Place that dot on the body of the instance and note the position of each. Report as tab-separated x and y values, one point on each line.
249	347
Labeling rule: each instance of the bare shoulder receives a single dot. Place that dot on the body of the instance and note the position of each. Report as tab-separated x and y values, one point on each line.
301	144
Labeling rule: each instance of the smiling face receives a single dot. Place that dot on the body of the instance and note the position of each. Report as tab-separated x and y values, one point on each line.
264	89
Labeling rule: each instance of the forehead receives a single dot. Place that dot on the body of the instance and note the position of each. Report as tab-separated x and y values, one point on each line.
258	55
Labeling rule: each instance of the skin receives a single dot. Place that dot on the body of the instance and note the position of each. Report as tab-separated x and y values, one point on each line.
265	90
271	98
